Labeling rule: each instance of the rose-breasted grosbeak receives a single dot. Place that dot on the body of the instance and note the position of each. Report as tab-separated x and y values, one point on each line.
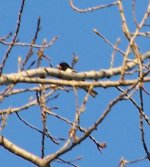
65	67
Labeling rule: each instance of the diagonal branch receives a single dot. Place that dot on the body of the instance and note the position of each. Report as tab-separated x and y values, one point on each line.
14	37
19	151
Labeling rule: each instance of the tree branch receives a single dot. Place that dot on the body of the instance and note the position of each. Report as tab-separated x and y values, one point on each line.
19	151
29	76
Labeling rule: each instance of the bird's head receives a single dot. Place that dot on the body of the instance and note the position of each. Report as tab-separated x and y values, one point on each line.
63	66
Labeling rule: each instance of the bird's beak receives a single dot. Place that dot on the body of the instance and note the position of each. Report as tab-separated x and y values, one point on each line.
58	67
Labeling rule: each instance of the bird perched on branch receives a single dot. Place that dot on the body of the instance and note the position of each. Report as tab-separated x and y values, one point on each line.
65	67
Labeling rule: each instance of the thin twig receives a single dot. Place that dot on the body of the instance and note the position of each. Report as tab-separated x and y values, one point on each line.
113	53
107	41
142	127
36	129
23	44
14	37
134	13
91	9
30	52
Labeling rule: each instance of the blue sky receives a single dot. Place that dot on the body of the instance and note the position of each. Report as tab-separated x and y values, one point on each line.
120	130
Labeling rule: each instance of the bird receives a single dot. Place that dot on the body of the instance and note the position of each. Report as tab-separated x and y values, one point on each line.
63	66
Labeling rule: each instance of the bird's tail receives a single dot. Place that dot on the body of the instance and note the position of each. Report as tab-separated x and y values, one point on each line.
91	92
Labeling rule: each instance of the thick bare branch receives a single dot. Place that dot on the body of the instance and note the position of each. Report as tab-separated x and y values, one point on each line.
19	151
29	76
